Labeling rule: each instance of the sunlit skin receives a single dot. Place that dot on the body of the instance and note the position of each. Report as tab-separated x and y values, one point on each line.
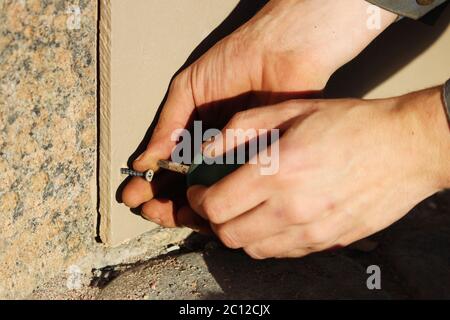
348	168
343	173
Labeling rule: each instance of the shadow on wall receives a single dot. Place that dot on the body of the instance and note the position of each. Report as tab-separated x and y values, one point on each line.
387	55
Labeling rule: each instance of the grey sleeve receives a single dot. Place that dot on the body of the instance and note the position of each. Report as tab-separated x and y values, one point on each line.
446	98
414	9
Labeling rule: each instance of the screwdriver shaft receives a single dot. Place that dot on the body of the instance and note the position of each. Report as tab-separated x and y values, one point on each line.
173	166
148	175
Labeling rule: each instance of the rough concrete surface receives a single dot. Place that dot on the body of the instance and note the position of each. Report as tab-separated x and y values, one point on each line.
413	256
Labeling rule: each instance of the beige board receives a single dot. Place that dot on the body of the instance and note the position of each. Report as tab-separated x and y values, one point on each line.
151	39
429	68
409	56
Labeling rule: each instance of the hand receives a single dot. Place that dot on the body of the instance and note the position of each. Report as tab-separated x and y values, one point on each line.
290	47
348	168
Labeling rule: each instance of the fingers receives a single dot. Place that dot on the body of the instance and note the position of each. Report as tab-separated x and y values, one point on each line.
244	125
139	191
232	196
160	211
297	253
300	240
164	212
186	217
268	219
279	245
176	114
259	223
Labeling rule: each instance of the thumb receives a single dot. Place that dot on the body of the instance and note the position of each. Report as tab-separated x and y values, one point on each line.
244	126
177	113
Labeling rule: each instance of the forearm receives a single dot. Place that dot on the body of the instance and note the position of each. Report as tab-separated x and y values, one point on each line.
325	34
350	27
428	117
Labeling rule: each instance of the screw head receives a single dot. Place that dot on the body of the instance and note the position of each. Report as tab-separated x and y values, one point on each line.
149	175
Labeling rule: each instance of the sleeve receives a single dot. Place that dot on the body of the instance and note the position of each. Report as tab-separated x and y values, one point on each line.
414	9
446	98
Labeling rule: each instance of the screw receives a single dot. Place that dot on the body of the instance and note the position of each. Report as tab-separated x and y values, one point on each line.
148	175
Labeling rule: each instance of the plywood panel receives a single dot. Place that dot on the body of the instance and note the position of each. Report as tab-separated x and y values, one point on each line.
149	41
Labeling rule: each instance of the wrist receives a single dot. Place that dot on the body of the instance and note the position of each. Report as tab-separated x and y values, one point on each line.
429	118
354	24
317	36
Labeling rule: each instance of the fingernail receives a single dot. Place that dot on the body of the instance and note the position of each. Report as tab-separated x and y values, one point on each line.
209	149
140	157
192	227
151	219
156	220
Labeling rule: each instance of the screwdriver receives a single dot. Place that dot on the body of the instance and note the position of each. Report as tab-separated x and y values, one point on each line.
199	173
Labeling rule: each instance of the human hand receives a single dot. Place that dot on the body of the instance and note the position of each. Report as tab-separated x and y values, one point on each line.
290	47
348	168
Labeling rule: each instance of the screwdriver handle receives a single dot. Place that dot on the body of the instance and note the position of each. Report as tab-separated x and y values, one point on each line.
208	174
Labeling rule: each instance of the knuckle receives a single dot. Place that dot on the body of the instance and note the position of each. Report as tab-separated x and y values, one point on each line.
255	253
238	119
227	237
314	248
304	216
293	217
329	205
212	210
296	212
325	245
131	198
180	81
148	211
174	84
314	235
299	253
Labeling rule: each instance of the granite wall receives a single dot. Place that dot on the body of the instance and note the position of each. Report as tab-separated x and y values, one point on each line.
48	150
47	139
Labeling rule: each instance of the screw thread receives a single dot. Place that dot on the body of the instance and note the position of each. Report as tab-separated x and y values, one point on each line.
131	172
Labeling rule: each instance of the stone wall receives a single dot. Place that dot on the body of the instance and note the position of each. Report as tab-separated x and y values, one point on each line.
47	138
48	148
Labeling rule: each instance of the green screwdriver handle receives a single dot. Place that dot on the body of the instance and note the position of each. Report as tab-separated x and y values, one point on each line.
208	174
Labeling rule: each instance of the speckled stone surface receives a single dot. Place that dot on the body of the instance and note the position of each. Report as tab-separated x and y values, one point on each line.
47	138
